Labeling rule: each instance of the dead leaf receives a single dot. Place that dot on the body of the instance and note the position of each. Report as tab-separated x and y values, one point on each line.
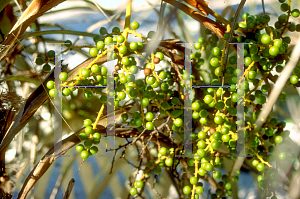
210	24
199	4
36	9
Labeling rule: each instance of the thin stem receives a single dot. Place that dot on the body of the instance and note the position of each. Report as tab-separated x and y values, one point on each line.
260	158
98	117
196	172
127	21
50	32
287	21
97	58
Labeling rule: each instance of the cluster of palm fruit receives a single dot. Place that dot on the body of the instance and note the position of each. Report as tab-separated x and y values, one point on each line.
214	115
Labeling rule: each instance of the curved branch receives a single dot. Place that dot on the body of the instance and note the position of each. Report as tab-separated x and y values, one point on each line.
46	161
210	24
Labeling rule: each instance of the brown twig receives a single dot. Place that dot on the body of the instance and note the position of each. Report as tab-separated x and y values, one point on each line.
69	189
210	24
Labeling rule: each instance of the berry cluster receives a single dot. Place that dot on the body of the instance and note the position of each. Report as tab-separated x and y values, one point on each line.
89	137
214	135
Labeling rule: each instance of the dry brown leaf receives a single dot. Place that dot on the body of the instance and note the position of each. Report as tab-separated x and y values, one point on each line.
210	24
36	9
200	5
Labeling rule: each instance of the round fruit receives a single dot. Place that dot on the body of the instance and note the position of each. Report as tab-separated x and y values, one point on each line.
46	68
187	190
227	186
52	92
94	149
39	61
193	180
133	46
149	126
79	148
100	45
294	79
218	120
103	31
169	162
120	39
95	68
278	139
295	13
88	143
139	184
274	50
68	43
208	99
163	151
93	52
84	154
82	136
159	55
66	91
162	75
108	40
260	167
63	76
134	25
282	156
50	84
121	95
178	122
123	50
125	61
96	136
265	39
217	175
145	101
214	62
149	116
199	190
133	191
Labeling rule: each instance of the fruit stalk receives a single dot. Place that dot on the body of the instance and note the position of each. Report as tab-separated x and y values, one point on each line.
98	117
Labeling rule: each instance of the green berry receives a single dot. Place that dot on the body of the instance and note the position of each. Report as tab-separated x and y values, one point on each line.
39	60
265	39
94	149
51	53
66	91
68	43
149	116
52	92
50	84
134	25
133	191
84	154
193	180
46	68
295	13
79	148
260	167
149	126
63	76
139	184
294	79
169	162
187	190
93	52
